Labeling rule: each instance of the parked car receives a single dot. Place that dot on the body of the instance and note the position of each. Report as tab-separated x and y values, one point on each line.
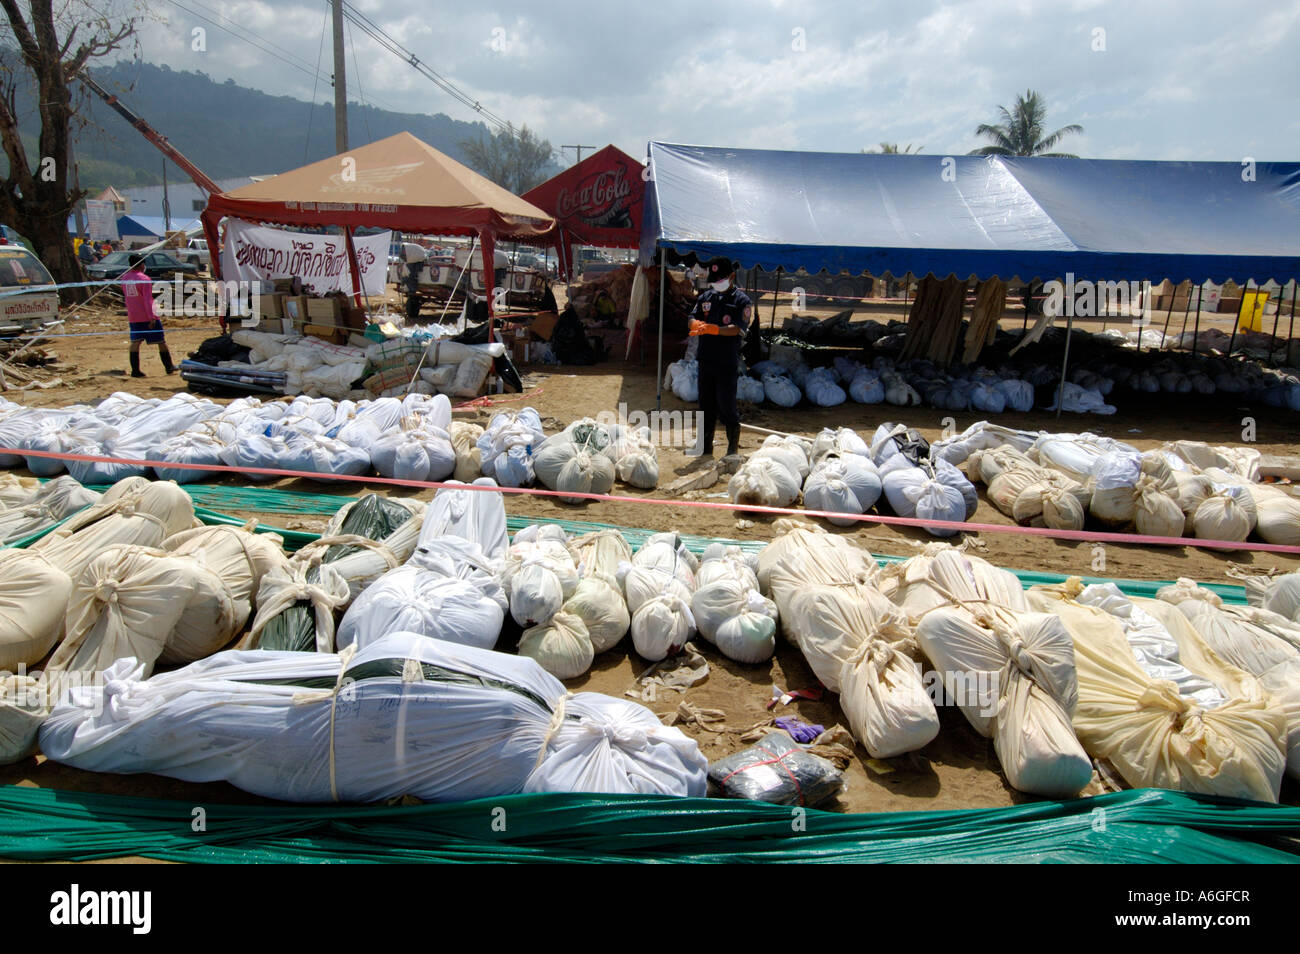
20	268
156	265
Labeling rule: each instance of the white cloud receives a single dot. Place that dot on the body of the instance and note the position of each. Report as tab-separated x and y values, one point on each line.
925	72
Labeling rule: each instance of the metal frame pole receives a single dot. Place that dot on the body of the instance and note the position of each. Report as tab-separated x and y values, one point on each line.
1187	310
659	362
1196	331
1065	361
776	293
1241	310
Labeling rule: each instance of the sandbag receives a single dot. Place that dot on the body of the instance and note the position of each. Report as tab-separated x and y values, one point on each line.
661	626
780	390
142	603
1152	733
561	645
415	600
475	515
1257	641
42	509
367	538
400	717
296	609
469	459
913	493
1221	516
973	621
538	577
238	556
33	598
854	639
730	612
422	453
599	603
764	482
1277	517
1156	513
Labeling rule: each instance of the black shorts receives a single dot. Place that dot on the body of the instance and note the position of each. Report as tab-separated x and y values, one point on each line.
150	332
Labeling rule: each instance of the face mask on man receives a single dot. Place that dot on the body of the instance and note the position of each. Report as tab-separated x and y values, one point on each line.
720	286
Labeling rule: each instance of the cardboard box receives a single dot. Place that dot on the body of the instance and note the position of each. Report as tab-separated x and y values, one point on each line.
295	309
543	326
329	333
326	311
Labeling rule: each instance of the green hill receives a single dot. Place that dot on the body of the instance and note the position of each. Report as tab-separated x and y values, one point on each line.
225	129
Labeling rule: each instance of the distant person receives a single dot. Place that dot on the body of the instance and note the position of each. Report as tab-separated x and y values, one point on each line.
86	253
137	289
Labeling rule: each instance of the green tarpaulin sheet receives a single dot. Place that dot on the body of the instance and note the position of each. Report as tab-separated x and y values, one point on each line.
1146	825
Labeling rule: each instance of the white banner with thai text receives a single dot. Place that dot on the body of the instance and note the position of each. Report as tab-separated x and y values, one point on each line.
254	253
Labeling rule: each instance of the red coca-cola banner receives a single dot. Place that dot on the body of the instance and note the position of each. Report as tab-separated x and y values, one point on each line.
598	201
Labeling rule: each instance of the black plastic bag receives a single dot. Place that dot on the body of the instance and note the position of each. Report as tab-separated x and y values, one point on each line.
776	770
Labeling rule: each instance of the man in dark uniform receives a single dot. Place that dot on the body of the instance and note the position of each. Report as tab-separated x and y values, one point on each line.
720	319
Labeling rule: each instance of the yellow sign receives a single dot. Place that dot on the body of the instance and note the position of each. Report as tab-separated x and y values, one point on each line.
1251	316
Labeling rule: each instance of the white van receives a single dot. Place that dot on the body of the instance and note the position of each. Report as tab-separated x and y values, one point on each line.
19	311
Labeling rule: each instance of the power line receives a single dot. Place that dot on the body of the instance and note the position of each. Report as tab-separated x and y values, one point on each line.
275	51
311	113
356	72
376	33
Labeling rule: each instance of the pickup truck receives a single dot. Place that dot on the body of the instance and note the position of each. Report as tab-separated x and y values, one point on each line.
196	253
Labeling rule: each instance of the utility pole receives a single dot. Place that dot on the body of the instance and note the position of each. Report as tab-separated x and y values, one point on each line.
579	150
340	83
167	206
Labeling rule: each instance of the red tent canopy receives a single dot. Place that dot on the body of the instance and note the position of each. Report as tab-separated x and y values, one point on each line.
596	202
397	183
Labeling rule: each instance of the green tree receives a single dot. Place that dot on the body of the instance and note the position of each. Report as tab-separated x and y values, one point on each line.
516	161
36	195
892	149
1022	131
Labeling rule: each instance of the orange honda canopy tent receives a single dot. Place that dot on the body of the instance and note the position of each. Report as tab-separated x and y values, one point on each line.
398	183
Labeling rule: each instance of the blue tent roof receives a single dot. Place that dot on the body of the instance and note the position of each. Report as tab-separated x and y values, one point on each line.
974	215
151	225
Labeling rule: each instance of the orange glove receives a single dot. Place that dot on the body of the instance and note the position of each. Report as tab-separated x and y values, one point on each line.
698	327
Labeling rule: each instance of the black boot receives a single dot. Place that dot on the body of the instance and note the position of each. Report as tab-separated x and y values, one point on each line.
733	439
166	360
135	365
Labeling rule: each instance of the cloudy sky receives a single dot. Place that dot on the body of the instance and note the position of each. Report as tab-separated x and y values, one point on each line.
1192	79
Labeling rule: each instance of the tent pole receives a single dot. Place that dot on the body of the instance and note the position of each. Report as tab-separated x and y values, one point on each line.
1241	309
1277	320
659	362
1291	333
776	293
487	245
1170	314
1196	330
1065	361
352	263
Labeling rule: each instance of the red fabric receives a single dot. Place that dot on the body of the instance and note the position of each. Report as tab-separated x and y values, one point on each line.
599	201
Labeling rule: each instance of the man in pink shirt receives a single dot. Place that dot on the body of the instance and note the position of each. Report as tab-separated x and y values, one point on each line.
137	289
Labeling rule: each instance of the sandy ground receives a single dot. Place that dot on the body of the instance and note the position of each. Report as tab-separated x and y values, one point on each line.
958	770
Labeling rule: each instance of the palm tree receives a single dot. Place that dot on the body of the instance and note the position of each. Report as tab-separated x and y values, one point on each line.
891	149
1021	132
